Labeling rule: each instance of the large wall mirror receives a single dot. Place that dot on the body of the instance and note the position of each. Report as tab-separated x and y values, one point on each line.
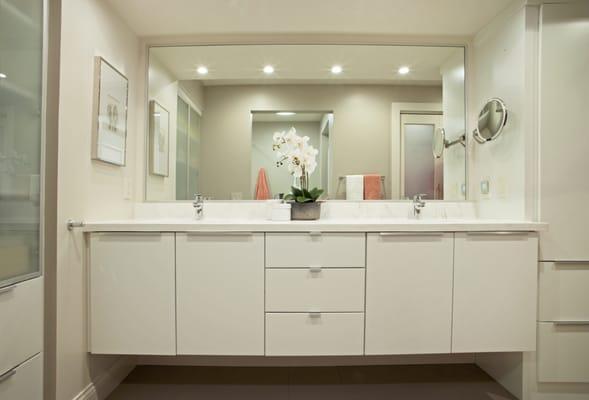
370	112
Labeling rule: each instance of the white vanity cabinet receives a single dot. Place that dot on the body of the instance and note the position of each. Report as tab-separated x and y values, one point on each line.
495	292
220	293
132	293
409	293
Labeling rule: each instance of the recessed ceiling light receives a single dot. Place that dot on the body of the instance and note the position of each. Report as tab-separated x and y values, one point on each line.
336	69
202	70
404	70
3	76
285	113
268	69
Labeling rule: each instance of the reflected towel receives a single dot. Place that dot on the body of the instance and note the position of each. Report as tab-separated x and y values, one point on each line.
372	189
262	188
354	187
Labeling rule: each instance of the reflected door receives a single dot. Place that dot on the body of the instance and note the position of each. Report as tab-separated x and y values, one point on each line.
21	56
421	173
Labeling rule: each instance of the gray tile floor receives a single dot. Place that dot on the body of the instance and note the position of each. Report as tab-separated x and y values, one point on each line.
407	382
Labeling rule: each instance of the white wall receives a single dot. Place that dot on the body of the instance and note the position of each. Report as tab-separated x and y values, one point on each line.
361	135
501	67
87	189
453	107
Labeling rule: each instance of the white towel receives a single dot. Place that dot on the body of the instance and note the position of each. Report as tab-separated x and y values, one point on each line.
355	187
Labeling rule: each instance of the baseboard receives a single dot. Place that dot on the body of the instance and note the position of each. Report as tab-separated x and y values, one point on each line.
105	383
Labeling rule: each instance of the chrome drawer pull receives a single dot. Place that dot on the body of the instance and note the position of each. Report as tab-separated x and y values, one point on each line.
7	375
497	233
385	234
7	289
315	233
315	268
220	233
584	264
315	314
579	322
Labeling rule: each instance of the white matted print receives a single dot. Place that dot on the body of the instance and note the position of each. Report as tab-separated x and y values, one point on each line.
111	89
159	139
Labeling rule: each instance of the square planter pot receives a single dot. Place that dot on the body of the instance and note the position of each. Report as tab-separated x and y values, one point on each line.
305	211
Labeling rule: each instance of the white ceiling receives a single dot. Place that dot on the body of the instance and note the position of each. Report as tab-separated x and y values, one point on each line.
394	17
306	64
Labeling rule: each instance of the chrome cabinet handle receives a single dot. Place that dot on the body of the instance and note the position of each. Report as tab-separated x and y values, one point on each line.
583	263
497	233
571	322
385	234
220	233
315	233
71	224
315	268
7	289
315	314
7	375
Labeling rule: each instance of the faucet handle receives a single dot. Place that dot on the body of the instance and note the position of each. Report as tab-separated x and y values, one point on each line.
198	197
419	197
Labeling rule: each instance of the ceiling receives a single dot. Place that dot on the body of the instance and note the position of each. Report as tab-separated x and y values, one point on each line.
391	17
306	64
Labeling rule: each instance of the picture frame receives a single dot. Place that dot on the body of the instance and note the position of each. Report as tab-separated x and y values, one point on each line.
159	139
109	134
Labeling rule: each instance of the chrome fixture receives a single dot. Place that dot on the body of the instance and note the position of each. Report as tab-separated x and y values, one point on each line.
71	224
491	121
418	204
439	142
198	204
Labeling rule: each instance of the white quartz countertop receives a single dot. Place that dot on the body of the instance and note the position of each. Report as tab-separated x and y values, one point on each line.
323	225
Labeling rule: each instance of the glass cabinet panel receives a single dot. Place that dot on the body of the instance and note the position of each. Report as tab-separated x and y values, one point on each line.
21	58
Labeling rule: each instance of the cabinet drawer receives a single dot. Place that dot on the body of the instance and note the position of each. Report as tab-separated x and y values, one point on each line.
563	291
21	322
324	290
563	353
305	334
327	250
24	382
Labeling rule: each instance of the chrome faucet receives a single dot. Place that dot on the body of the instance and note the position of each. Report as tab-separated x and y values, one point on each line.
418	204
198	204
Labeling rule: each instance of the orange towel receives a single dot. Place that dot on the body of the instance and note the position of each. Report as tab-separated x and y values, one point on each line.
372	188
262	188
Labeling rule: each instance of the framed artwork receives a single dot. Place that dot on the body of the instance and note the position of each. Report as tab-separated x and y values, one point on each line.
109	136
159	139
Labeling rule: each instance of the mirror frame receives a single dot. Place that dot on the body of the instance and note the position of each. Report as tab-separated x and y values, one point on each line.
477	134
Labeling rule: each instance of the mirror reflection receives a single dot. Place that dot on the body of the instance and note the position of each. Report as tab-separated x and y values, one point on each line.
370	112
492	119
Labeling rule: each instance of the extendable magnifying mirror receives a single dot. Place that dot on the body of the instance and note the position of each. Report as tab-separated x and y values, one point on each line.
439	143
492	120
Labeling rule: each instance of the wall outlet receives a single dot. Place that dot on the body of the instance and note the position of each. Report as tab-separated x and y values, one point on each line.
485	188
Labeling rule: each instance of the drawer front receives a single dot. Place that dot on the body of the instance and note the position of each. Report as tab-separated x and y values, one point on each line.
564	293
327	250
21	322
315	290
304	334
24	382
563	353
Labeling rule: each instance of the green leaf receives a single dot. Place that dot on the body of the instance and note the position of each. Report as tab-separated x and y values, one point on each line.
316	193
297	192
289	196
307	194
302	199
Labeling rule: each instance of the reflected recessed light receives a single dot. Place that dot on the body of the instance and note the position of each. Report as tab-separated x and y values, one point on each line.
202	70
336	69
3	76
404	70
285	113
268	69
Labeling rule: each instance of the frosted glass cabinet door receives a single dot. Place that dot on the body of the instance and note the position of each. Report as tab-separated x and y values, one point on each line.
21	39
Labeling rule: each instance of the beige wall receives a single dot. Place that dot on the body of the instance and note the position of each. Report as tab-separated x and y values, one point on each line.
361	129
87	189
164	88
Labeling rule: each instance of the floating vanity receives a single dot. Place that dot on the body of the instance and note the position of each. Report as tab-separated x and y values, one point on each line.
331	287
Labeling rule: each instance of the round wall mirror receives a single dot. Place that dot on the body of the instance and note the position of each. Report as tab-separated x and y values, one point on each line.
492	119
439	142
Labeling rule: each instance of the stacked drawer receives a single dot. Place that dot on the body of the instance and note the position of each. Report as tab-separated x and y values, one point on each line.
563	327
21	340
315	286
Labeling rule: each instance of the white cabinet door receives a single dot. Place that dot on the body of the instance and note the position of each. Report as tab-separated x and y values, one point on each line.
495	292
21	322
132	304
24	382
220	293
408	293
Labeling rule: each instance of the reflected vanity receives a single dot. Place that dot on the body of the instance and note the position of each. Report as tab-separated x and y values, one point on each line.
370	111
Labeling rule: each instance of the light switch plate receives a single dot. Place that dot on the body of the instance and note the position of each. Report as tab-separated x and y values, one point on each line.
485	187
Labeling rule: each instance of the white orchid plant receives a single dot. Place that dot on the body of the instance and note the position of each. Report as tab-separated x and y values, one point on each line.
301	160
